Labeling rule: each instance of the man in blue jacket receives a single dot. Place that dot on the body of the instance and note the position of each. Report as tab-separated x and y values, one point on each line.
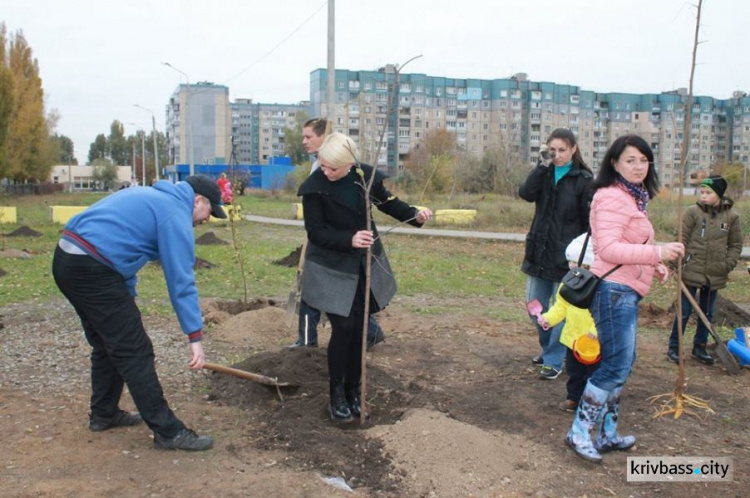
95	267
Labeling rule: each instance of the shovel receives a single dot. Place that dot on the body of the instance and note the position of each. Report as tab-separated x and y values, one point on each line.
292	304
534	307
260	379
726	358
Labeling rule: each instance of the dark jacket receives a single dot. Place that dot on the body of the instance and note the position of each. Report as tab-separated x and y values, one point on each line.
332	265
713	242
561	214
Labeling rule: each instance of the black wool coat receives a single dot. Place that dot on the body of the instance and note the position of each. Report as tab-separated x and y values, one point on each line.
332	265
561	214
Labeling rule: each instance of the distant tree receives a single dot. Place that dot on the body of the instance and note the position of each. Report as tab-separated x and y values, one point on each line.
7	103
117	144
105	173
65	149
433	164
28	156
293	140
733	173
98	148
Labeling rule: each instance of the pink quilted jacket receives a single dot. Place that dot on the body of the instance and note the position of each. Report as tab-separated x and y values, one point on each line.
619	231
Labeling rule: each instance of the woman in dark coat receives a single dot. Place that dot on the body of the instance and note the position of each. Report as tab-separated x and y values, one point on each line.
333	200
560	189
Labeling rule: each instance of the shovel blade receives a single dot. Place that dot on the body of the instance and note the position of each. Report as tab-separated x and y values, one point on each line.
534	307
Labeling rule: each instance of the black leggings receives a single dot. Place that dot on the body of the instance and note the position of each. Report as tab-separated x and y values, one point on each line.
345	346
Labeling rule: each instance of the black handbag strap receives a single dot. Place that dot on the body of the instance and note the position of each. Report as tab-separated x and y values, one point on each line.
583	252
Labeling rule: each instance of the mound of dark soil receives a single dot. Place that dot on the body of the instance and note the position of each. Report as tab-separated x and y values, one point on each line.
300	423
728	314
210	239
291	260
24	231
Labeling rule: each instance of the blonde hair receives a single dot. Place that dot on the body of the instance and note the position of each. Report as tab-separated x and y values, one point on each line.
338	151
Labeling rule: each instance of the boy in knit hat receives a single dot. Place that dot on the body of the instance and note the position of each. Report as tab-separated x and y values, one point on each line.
712	236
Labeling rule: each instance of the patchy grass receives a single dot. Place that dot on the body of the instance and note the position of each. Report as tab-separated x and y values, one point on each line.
451	270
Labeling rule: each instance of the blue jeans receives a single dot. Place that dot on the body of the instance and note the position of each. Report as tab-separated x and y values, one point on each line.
309	318
615	312
545	291
707	302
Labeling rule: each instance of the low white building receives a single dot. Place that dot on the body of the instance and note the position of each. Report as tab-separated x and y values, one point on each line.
82	177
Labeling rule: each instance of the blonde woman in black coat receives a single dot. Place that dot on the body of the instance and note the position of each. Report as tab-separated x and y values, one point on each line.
333	199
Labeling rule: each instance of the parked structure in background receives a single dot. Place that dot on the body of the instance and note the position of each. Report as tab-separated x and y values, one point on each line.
82	178
520	113
272	176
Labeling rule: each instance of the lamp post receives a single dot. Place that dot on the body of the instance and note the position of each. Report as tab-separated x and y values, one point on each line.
153	132
188	132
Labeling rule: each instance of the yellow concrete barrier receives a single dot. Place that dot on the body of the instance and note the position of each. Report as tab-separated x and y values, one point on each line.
234	213
62	214
456	216
297	212
8	214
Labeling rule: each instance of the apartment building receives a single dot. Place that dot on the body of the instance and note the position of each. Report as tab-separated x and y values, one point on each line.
518	114
258	129
198	124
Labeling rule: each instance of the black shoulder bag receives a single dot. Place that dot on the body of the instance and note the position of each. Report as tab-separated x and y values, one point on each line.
579	285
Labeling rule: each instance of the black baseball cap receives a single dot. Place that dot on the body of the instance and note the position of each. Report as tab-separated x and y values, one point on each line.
208	188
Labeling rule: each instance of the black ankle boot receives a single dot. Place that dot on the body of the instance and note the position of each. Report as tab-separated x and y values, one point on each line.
354	399
700	354
339	408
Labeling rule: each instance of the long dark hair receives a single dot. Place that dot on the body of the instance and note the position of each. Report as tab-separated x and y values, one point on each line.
608	175
568	137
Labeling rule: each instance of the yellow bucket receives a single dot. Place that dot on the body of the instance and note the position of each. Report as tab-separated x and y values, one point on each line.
587	350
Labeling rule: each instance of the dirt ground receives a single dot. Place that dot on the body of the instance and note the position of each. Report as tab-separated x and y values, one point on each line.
456	409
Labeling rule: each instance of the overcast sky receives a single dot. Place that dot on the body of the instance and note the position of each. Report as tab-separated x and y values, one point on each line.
98	57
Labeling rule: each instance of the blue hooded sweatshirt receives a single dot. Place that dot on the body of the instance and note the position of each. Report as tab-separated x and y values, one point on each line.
128	229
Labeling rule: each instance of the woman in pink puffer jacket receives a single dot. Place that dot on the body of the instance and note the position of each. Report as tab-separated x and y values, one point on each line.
622	235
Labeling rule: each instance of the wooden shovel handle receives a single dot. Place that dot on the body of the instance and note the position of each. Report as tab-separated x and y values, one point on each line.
244	375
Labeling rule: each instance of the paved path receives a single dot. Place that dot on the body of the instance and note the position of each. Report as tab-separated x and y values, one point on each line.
513	237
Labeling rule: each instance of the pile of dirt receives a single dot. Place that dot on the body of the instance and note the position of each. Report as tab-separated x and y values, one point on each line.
218	311
24	231
291	260
210	239
728	314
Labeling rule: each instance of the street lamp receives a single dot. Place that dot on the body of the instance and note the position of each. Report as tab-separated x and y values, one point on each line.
189	138
153	132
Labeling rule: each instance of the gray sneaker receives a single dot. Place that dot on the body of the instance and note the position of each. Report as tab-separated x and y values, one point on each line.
119	419
184	440
549	373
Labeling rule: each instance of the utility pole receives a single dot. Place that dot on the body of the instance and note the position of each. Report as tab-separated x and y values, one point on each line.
331	110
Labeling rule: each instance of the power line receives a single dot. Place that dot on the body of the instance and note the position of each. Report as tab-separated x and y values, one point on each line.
257	61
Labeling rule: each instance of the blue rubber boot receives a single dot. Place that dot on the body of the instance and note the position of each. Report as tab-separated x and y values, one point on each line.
586	418
607	438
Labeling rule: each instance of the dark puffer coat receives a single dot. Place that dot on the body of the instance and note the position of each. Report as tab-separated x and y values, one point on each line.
561	214
713	243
